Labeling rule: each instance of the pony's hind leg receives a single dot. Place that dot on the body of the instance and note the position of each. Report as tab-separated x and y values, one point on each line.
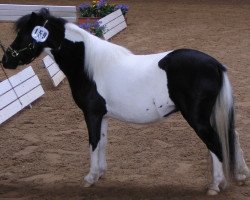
212	141
198	115
241	169
218	179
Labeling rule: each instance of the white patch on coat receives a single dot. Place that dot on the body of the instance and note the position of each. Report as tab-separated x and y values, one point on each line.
72	33
135	89
133	86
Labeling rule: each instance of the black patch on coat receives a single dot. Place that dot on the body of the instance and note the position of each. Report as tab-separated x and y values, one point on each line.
194	81
70	59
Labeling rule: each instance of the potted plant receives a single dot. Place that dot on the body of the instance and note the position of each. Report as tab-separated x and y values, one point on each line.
98	9
93	27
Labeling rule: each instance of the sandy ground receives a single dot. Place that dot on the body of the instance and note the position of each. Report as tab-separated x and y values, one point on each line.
44	150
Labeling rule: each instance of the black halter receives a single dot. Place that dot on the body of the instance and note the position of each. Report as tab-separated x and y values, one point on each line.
14	53
31	46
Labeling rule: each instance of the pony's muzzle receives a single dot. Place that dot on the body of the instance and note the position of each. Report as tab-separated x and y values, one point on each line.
8	63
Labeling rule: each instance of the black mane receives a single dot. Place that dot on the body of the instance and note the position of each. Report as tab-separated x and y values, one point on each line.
43	13
21	22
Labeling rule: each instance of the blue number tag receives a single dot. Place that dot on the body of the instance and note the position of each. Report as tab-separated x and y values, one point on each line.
40	34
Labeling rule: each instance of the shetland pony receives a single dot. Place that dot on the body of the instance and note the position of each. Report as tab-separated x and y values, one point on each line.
108	80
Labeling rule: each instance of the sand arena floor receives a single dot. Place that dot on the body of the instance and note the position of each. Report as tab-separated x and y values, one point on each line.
44	151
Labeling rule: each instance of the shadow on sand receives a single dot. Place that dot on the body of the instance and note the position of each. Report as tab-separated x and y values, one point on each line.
112	191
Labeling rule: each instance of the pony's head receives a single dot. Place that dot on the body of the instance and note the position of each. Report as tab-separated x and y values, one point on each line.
33	35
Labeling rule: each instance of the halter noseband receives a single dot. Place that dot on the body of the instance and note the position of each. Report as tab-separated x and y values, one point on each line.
14	53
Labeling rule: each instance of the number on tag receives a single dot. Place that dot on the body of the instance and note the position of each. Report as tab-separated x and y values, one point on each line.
40	34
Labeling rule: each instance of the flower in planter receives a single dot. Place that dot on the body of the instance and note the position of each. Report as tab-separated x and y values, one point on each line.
93	27
123	7
100	4
85	10
103	8
100	8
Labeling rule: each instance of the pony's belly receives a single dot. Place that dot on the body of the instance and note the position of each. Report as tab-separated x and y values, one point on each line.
145	113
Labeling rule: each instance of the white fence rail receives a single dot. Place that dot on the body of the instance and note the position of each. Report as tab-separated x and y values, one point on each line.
17	92
12	12
113	23
54	71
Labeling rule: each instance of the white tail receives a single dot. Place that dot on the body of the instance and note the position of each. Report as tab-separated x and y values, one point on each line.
222	120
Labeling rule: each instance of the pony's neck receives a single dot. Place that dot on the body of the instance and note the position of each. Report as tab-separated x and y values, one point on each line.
56	29
98	53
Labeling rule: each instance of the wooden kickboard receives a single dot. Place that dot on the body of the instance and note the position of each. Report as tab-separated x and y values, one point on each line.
113	23
18	92
12	12
54	71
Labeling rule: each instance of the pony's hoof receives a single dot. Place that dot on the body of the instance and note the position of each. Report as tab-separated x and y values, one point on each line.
212	192
241	183
87	184
241	179
88	181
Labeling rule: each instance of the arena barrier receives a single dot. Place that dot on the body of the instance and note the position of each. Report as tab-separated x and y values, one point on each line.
18	91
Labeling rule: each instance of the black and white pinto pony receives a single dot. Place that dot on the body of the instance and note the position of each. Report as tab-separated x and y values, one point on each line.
108	80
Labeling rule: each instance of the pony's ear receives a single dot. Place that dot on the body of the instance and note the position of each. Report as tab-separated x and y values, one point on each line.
44	12
33	16
22	21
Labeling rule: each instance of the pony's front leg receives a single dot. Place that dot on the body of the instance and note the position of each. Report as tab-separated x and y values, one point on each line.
94	124
102	148
93	174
